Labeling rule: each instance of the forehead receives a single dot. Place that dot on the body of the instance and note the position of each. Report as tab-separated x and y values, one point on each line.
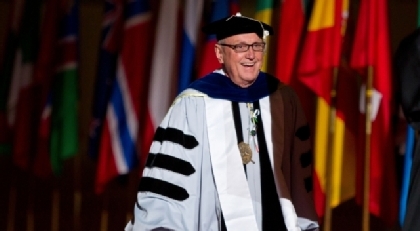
243	38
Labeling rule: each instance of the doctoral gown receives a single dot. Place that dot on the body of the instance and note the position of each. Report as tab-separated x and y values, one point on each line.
195	178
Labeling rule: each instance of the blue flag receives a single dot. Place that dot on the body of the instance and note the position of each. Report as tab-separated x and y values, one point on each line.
112	26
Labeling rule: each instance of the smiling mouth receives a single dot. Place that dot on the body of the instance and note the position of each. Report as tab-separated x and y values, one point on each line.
248	64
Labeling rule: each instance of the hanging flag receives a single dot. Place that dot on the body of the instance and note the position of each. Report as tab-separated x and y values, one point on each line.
264	14
320	57
20	104
220	9
64	132
371	48
192	19
322	46
42	162
234	7
289	38
160	91
44	71
118	151
112	28
6	70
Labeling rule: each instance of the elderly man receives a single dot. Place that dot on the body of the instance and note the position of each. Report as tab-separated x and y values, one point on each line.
233	151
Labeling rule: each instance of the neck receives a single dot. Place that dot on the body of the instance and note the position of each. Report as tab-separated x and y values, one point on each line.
242	84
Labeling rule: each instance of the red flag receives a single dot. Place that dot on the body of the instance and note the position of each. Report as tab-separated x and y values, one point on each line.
43	73
371	48
321	54
322	46
21	108
209	63
6	69
290	36
234	7
118	151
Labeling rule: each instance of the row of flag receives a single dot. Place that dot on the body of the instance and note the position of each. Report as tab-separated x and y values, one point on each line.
122	131
38	108
336	49
325	48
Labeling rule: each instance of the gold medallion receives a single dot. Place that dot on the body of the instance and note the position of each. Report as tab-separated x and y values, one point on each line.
246	152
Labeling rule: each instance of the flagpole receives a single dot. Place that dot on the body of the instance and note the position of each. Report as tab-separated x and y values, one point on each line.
128	200
368	132
12	209
104	213
330	153
30	223
55	210
77	199
12	203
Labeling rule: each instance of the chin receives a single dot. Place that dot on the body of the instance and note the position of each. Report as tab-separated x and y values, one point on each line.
250	76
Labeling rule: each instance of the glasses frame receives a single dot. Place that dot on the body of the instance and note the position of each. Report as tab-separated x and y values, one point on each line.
235	46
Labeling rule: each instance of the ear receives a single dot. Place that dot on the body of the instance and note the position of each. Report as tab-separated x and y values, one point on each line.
219	53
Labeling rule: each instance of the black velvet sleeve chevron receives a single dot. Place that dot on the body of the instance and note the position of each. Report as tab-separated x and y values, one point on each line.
168	162
176	136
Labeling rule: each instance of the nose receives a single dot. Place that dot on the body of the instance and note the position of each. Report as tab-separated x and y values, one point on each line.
250	53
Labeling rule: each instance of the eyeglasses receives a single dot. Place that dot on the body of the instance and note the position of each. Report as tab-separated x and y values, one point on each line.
243	47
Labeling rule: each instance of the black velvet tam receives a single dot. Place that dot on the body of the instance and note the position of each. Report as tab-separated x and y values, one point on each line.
237	24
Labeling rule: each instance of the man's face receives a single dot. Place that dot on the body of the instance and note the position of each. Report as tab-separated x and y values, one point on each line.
241	67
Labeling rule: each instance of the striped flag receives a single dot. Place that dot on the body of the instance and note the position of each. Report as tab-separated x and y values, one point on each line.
64	112
192	19
289	38
209	63
321	54
264	14
43	77
112	28
21	96
160	90
6	70
42	166
118	152
322	46
371	48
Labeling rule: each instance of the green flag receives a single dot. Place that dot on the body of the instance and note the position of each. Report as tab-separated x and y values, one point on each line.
64	130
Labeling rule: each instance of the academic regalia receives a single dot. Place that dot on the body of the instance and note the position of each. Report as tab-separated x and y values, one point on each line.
195	178
407	63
